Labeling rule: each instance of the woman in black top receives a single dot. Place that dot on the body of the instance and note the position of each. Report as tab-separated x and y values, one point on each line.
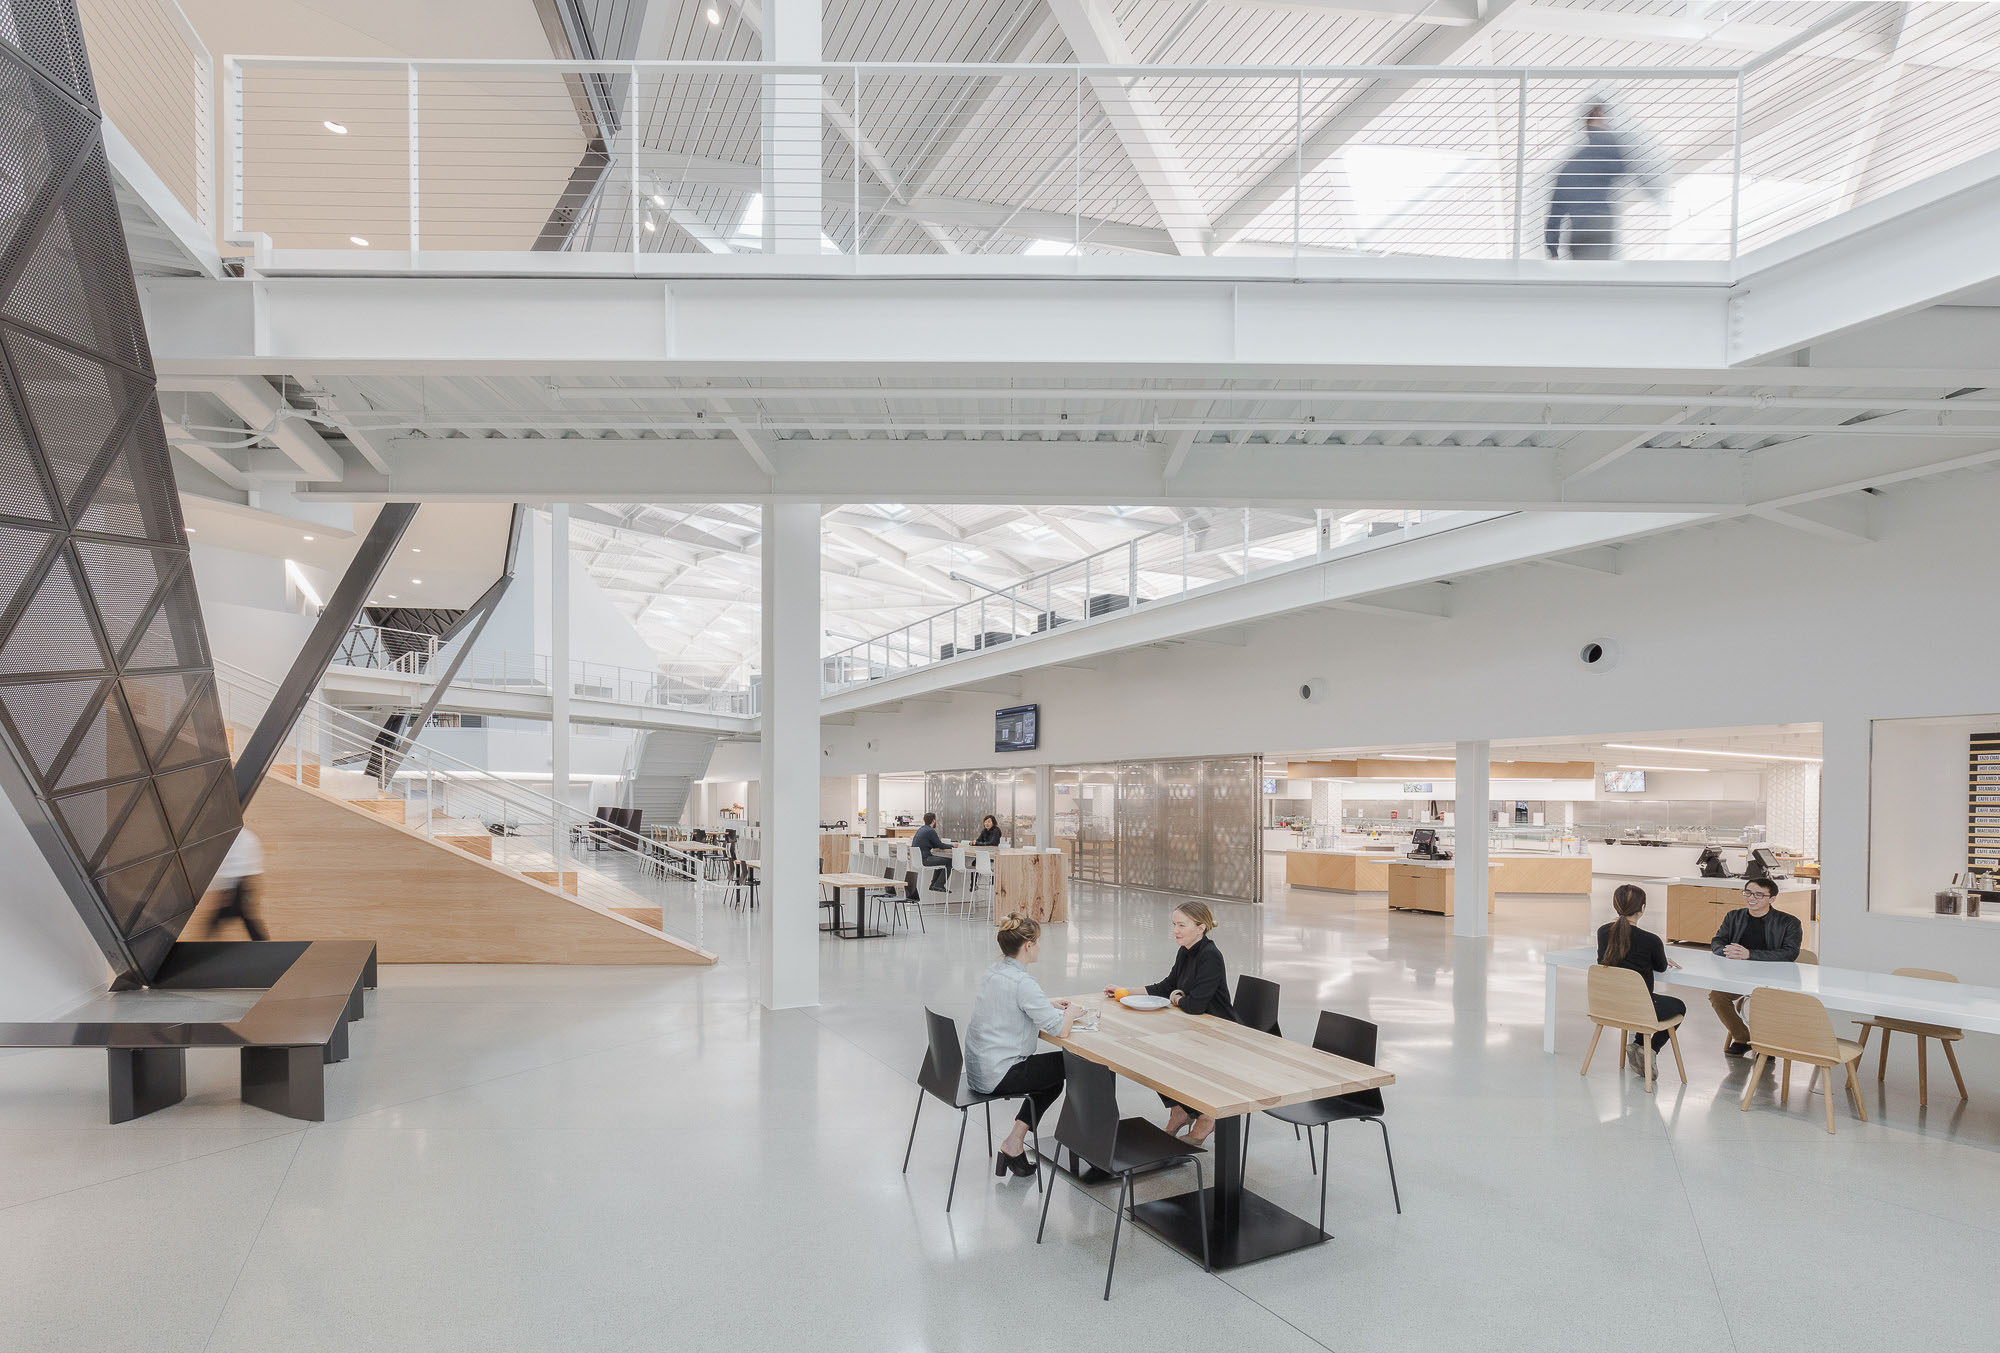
1621	944
1198	984
989	832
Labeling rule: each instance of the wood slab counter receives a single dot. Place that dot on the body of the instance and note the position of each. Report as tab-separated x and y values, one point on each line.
1542	874
1417	885
1344	871
1032	882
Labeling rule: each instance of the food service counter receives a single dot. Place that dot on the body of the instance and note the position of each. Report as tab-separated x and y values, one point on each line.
1356	871
1696	906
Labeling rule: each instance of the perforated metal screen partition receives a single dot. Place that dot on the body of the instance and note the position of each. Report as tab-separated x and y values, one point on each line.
107	696
1185	826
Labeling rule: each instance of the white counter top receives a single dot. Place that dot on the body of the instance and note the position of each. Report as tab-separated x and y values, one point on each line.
1736	885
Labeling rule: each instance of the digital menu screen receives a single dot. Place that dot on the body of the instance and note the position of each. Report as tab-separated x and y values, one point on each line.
1017	729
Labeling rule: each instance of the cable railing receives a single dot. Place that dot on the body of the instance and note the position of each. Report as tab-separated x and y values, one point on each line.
1219	547
690	687
458	804
155	81
1286	164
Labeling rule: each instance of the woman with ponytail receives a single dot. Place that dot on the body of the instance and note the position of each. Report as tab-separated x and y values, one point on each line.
1008	1019
1622	944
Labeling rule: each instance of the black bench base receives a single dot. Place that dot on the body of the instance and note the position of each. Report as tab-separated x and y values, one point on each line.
145	1080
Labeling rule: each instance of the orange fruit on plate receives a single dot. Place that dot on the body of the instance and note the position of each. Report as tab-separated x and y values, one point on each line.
1120	993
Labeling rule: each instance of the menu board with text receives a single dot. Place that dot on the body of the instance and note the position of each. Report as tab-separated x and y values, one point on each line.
1982	844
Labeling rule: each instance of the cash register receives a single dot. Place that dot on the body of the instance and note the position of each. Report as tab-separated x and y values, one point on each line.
1424	841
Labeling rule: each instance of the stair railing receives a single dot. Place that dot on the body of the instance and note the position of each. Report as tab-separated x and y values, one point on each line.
457	803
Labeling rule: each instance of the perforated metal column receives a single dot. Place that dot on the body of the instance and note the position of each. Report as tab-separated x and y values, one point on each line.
107	697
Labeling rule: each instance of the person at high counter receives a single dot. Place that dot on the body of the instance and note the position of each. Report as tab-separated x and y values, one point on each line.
1008	1019
934	851
989	832
1199	985
1756	930
1622	944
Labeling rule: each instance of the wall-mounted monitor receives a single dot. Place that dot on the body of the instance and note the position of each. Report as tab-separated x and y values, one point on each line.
1018	729
1624	782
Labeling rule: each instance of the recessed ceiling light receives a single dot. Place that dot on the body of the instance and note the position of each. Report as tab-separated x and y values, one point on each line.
416	549
357	241
392	596
188	529
305	537
1694	770
337	128
650	225
713	15
416	582
659	201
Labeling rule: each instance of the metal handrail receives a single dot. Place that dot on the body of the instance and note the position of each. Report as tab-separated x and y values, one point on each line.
535	832
1156	568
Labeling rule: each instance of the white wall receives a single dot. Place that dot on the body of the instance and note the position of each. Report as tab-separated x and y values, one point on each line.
838	798
48	962
1694	787
1863	631
1917	833
599	632
246	606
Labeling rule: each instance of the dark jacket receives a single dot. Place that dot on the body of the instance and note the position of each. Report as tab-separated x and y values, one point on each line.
930	843
989	837
1782	928
1646	955
1201	978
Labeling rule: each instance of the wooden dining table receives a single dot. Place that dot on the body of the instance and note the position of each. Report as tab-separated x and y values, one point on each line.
860	883
1225	1070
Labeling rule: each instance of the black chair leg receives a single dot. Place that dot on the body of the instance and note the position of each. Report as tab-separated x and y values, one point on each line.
1245	1166
1326	1141
1312	1158
956	1158
1048	1196
1201	1213
1398	1193
922	929
913	1131
1124	1187
1035	1131
989	1126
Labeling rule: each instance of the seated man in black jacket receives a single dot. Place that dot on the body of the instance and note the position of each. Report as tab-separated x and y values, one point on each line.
1757	930
935	852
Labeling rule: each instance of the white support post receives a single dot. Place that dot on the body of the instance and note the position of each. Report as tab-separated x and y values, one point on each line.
1045	806
793	174
415	233
1470	875
559	686
872	802
790	774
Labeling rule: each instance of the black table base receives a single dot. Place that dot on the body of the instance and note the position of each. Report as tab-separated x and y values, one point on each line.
1242	1227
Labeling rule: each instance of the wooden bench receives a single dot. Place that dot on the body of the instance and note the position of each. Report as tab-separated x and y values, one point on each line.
312	990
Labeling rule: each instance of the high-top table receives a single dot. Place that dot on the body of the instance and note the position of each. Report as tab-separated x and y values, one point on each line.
1225	1070
1955	1004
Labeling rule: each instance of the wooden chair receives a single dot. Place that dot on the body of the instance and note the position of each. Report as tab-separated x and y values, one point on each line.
1619	1000
1944	1034
1794	1027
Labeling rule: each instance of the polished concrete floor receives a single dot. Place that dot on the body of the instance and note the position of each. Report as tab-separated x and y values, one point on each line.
621	1159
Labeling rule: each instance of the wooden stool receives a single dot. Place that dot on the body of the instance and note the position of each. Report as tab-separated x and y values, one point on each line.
1944	1034
1619	1000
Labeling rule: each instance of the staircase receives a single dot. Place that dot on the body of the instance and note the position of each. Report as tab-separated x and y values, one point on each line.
454	825
669	764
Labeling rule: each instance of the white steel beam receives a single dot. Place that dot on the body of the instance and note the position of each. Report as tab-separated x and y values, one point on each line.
262	411
1596	559
1912	248
1369	101
1112	473
583	328
1094	36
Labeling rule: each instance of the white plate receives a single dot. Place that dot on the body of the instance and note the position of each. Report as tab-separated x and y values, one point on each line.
1145	1002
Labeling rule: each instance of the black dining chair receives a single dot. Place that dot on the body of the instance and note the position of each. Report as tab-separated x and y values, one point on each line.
1256	1008
942	1077
1091	1128
908	899
1354	1039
